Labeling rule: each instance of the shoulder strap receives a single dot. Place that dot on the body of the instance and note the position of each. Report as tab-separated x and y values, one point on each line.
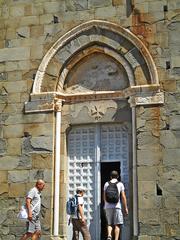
34	206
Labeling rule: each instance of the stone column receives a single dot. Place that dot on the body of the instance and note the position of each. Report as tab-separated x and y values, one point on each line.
58	107
134	169
135	201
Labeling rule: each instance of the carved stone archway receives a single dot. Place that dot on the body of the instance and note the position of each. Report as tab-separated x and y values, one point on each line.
95	36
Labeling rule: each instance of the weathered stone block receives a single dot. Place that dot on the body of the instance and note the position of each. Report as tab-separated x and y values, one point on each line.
153	230
171	201
17	190
17	65
42	143
117	2
25	162
14	54
42	161
169	85
8	163
35	130
170	187
146	141
3	76
102	12
168	139
76	5
3	176
169	216
174	122
3	146
147	173
147	216
20	86
29	21
4	188
147	188
37	53
156	6
46	18
22	118
13	131
17	11
23	32
14	146
36	31
148	157
53	7
99	3
20	176
14	76
171	157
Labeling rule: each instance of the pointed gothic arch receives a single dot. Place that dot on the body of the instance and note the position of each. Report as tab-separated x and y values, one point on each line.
120	40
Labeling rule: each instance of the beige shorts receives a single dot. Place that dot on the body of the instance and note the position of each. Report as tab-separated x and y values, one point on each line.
114	216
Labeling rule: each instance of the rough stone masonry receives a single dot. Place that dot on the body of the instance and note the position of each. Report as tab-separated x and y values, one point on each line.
28	29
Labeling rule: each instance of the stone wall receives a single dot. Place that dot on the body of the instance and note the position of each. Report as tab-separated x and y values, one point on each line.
28	29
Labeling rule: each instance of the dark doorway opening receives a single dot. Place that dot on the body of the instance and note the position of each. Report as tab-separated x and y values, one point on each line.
106	168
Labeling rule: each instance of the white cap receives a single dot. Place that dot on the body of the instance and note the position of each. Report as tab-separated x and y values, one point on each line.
81	188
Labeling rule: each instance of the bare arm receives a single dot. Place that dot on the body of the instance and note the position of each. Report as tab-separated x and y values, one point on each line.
28	205
104	196
124	202
81	212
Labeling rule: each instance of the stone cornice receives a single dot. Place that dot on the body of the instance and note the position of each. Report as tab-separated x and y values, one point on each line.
138	95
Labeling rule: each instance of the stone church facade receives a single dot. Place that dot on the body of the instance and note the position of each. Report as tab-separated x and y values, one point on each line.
88	86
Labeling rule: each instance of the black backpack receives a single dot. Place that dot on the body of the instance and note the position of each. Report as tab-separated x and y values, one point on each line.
112	193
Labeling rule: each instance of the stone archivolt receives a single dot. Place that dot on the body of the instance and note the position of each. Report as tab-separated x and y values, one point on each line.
100	38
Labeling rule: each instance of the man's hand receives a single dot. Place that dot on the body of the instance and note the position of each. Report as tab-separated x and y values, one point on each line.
126	211
30	215
83	220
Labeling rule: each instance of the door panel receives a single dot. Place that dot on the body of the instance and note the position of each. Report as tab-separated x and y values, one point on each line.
87	147
81	149
114	148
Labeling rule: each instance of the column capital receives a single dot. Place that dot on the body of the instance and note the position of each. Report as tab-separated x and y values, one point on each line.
58	104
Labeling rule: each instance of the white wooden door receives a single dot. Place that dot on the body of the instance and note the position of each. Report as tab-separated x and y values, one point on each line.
82	172
115	148
87	147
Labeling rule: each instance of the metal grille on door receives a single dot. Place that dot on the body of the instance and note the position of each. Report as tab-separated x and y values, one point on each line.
81	165
84	144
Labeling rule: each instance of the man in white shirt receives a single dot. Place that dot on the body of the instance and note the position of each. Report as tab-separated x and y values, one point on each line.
78	219
113	210
33	205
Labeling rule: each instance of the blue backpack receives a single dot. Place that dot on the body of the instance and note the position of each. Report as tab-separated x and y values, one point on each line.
72	205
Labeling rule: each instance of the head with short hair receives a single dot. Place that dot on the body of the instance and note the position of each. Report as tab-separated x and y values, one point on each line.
40	184
114	174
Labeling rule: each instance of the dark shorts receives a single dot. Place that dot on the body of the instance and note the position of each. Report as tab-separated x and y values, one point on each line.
33	226
114	216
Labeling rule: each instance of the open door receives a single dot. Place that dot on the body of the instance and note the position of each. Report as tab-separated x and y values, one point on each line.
93	151
106	168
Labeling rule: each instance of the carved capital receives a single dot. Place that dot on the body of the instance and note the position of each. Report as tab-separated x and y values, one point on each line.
58	105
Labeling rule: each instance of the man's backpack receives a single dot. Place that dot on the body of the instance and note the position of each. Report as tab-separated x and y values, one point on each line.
112	193
72	205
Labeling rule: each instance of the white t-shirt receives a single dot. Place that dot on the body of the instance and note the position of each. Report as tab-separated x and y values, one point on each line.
35	195
80	202
120	187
